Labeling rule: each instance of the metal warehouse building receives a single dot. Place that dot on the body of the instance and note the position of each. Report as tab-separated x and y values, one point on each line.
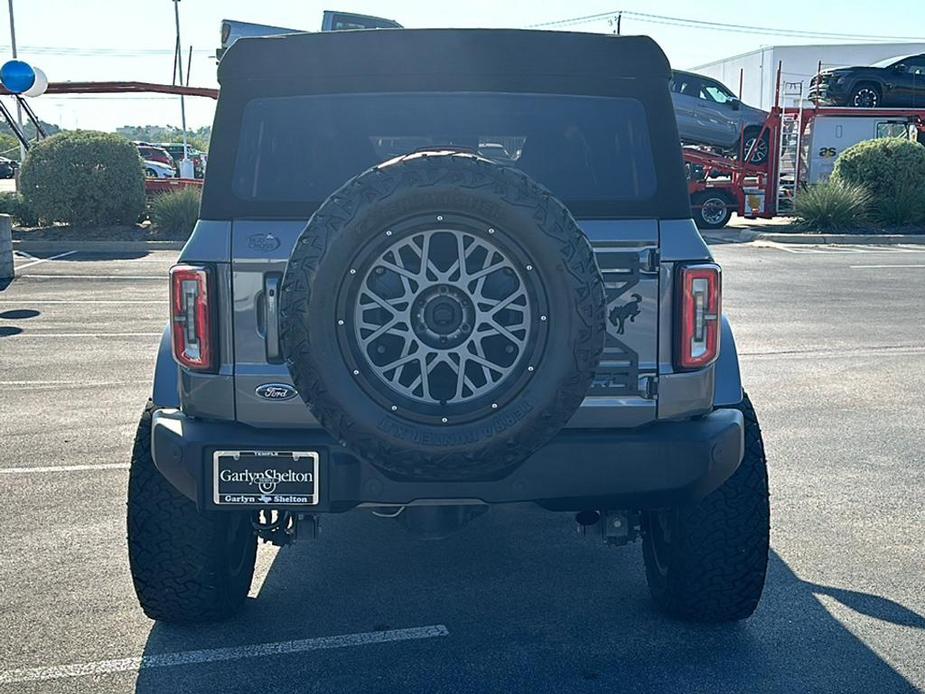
799	64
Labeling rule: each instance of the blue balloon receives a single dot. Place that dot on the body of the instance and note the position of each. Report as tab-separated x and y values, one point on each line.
17	76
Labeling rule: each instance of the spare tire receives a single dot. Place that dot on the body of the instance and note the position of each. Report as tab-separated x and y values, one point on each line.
442	316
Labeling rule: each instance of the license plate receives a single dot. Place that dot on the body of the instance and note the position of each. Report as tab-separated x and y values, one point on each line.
265	478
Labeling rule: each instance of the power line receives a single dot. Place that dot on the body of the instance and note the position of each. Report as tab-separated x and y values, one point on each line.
111	52
723	26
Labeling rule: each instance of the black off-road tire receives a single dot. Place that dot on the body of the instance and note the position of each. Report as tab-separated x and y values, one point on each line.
707	562
187	566
428	186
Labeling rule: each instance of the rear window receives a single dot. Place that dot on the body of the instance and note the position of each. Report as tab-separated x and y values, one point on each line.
585	149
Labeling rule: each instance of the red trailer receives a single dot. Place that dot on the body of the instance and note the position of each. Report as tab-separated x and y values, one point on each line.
720	185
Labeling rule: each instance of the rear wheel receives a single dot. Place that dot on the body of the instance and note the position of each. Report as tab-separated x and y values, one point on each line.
707	562
711	210
187	566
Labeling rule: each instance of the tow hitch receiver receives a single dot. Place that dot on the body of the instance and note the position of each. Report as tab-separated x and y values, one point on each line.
281	528
615	527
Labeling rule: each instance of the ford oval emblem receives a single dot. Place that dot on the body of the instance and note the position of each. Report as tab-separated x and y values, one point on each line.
276	391
262	242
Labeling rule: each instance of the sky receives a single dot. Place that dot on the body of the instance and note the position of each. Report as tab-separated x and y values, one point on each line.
134	39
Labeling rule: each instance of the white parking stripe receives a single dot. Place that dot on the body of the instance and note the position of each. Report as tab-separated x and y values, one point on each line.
215	655
266	555
881	267
159	278
74	301
62	468
24	334
43	260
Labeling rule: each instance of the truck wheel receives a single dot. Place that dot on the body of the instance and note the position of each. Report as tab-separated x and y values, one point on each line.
187	566
758	146
711	210
865	95
707	562
442	315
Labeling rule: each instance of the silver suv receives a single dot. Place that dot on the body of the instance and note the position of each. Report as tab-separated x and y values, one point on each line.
709	114
435	271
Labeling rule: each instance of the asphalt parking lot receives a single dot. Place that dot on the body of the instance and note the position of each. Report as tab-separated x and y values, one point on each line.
832	342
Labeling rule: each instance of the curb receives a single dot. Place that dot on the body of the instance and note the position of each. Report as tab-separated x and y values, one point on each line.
96	246
745	235
867	239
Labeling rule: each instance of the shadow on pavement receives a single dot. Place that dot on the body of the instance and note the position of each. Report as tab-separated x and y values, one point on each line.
529	607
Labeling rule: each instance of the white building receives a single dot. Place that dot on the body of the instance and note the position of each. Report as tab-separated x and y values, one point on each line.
798	65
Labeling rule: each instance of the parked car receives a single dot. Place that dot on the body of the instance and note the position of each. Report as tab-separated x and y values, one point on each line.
154	153
175	149
8	167
373	316
155	169
898	81
708	113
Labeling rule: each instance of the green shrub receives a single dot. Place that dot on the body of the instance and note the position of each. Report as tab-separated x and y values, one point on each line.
832	206
174	214
14	205
893	171
84	178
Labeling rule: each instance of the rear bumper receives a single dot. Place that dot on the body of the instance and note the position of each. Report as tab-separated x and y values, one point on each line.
664	463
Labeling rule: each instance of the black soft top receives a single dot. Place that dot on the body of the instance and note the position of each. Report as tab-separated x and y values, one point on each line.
383	53
382	61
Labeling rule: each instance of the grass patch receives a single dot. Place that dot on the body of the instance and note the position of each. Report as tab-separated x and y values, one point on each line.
832	206
174	214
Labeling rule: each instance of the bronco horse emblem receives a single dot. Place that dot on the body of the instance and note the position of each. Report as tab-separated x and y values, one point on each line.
620	314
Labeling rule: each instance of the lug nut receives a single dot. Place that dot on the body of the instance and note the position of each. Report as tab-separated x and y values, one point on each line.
439	217
353	271
529	368
394	408
356	372
542	317
444	420
494	406
491	231
340	322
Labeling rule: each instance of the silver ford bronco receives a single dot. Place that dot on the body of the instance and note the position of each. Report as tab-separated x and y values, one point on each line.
438	270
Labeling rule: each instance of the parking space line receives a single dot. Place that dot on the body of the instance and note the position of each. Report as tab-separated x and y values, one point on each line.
75	301
43	260
62	468
217	655
159	278
266	555
885	266
20	336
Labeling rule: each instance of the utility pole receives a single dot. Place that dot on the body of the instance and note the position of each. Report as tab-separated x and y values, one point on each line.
22	147
184	162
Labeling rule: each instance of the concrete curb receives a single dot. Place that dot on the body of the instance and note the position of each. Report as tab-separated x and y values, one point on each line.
865	239
61	246
7	267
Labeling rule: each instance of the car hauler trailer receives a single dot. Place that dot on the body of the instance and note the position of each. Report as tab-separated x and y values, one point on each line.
803	144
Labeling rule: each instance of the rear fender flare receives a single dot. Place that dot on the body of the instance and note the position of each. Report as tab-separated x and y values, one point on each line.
728	385
166	391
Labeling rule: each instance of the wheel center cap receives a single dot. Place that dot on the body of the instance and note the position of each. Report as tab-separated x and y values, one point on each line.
442	316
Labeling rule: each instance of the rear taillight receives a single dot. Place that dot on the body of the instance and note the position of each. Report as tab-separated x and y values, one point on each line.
191	317
699	299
